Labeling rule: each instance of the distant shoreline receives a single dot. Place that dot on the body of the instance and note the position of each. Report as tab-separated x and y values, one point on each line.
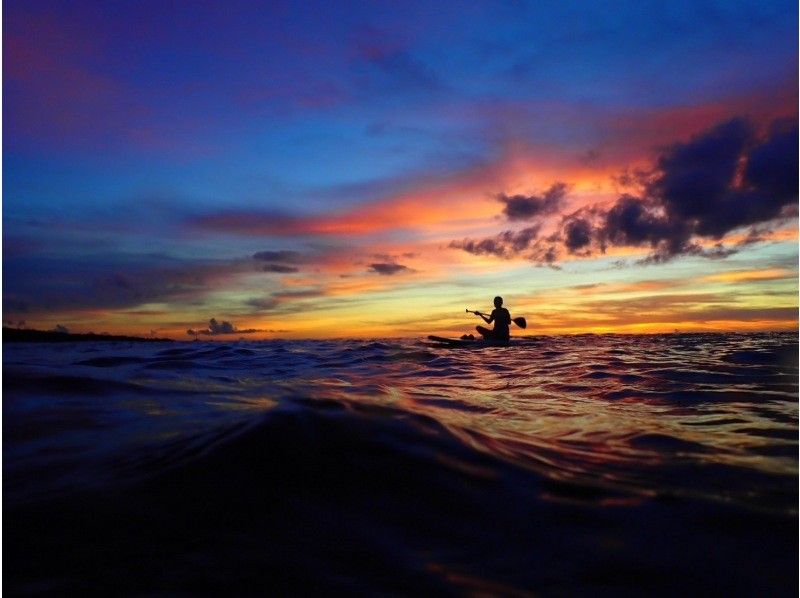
17	335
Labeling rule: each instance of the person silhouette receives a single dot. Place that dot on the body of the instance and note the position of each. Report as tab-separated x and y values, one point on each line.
502	322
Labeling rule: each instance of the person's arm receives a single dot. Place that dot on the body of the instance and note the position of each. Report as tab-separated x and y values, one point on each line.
485	319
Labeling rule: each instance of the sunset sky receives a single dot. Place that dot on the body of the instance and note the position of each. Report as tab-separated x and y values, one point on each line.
371	169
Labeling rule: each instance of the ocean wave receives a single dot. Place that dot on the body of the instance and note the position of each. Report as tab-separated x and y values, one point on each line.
390	467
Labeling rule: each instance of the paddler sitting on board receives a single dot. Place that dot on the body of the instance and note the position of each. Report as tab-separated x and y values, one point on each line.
501	319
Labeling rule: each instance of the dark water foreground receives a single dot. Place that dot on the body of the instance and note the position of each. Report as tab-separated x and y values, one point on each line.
595	465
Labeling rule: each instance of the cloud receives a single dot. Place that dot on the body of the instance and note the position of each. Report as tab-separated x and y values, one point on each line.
60	328
301	294
509	244
527	207
279	269
721	180
287	301
216	328
14	305
505	245
590	156
738	276
220	328
250	223
388	269
636	221
389	67
690	307
404	70
284	256
263	304
663	253
578	233
111	280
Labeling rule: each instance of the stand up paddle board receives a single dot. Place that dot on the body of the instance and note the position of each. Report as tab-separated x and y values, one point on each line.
460	342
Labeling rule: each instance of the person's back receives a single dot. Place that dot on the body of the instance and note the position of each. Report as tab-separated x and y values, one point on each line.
502	322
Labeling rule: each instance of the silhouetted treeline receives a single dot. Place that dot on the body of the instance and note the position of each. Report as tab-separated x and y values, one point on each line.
48	336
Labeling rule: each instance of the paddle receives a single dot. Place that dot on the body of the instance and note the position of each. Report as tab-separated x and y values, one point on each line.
518	321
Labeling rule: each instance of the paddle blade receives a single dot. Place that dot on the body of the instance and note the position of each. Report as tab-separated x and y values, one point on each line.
520	322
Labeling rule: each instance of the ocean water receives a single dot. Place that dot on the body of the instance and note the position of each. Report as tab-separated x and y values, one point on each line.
580	465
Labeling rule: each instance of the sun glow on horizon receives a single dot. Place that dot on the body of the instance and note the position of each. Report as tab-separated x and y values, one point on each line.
377	188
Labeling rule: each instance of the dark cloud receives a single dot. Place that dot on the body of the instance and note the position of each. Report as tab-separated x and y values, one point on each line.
768	179
110	280
300	300
634	221
662	253
578	234
545	256
390	258
280	269
489	246
14	305
388	268
694	178
215	328
263	303
718	252
721	180
755	234
284	256
527	207
385	67
250	223
589	157
520	240
724	179
509	244
772	165
283	302
505	245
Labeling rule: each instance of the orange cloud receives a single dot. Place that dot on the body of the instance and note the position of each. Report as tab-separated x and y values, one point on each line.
632	287
750	275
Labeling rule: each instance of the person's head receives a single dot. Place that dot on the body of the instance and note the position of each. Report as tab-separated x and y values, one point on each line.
498	301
